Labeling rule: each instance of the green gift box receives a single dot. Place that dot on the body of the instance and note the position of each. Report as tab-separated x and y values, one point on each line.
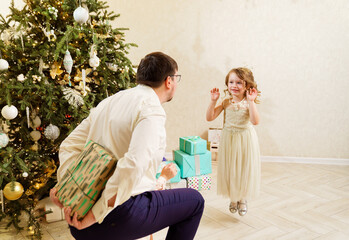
85	179
193	165
200	182
176	178
193	145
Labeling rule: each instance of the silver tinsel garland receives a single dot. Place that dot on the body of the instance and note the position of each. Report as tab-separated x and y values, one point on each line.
73	97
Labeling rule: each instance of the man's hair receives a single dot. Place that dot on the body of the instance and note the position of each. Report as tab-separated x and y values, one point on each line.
154	69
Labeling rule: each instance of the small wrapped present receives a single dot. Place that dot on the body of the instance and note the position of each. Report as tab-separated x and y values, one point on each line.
192	145
181	184
85	179
202	182
193	165
53	213
214	135
176	178
56	214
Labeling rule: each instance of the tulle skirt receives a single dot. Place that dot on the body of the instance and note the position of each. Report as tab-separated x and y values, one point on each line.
239	168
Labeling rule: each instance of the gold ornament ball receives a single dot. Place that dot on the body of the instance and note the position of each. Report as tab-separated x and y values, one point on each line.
13	193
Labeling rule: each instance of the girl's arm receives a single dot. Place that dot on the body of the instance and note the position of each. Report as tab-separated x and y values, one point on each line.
254	115
212	111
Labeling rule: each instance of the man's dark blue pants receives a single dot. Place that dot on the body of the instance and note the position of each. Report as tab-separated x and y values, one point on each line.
147	213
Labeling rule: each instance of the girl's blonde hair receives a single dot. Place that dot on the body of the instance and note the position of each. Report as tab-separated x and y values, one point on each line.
245	75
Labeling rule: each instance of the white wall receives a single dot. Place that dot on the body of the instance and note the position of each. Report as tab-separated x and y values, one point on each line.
298	51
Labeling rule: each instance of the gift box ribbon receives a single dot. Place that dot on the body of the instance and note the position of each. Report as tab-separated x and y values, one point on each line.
197	164
192	139
82	190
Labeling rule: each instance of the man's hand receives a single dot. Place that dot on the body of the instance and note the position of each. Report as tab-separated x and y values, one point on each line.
169	171
54	198
87	221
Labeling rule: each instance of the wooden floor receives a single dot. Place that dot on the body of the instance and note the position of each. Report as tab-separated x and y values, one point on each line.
297	201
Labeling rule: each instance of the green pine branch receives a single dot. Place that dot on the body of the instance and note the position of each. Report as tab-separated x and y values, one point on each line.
45	35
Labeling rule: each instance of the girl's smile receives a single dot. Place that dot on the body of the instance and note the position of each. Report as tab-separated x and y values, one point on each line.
236	86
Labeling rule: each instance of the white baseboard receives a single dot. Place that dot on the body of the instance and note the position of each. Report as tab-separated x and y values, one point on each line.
304	160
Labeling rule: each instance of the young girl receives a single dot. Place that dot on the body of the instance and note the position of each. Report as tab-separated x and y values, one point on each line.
238	175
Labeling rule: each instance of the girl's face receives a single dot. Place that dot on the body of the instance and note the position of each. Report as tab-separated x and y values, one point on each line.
236	86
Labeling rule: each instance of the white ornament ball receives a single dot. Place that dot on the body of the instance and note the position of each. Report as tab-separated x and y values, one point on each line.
20	77
36	122
94	61
3	64
9	112
52	132
5	36
25	174
80	15
36	135
3	140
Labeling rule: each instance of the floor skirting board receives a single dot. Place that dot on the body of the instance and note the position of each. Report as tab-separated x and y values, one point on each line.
305	160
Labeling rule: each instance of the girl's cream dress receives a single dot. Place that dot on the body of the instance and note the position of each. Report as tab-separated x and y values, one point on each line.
239	170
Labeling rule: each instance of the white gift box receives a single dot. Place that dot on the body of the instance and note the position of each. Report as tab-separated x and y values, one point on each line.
181	184
214	135
57	213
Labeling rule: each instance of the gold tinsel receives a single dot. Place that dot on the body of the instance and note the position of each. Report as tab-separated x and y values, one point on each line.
56	69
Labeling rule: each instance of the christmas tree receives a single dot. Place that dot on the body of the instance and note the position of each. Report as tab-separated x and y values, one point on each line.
58	59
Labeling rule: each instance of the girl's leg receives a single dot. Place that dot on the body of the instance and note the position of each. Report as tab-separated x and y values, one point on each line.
149	212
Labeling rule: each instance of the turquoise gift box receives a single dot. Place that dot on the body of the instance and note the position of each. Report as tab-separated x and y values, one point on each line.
176	178
193	145
193	165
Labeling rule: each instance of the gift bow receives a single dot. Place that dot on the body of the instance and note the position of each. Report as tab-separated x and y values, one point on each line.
191	139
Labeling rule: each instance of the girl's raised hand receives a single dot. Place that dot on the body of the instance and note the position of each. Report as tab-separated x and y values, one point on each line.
215	94
251	94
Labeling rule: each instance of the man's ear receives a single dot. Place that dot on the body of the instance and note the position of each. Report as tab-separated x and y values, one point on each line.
168	82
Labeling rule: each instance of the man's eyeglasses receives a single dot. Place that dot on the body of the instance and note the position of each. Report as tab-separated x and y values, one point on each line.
178	76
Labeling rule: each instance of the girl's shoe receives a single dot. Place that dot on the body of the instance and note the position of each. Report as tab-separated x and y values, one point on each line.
242	208
233	207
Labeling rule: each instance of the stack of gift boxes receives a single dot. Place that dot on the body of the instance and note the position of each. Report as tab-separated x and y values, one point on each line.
193	162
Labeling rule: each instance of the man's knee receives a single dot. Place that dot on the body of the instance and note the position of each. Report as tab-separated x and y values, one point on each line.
200	200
